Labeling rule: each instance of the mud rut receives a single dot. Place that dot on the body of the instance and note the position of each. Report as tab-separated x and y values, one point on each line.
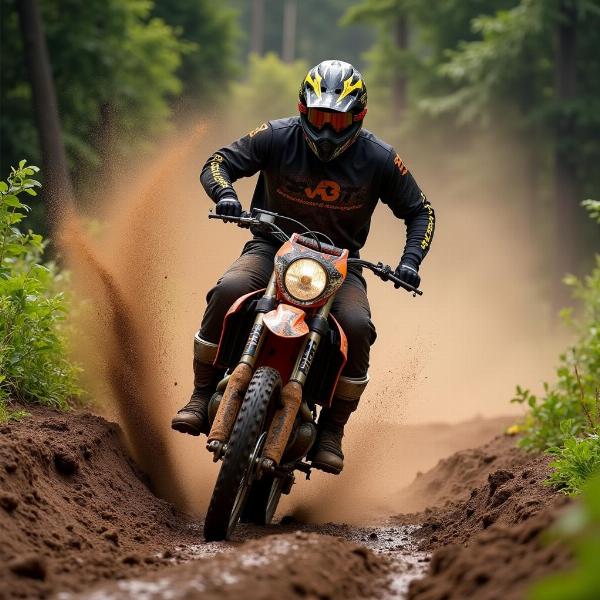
283	551
77	520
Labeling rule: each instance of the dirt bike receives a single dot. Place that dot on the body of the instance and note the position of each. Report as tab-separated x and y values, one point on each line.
283	353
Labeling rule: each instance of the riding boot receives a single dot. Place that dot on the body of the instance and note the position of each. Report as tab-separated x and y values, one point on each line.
327	453
193	417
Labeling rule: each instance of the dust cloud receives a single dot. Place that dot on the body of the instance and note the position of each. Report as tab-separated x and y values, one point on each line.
454	354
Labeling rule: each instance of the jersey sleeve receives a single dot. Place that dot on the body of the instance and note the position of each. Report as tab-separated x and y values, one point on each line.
242	158
400	192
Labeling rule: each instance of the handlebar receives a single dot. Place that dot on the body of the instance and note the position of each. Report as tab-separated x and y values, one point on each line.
385	273
245	220
265	218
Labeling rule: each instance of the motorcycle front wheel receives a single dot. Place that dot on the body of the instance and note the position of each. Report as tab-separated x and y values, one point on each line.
237	472
263	500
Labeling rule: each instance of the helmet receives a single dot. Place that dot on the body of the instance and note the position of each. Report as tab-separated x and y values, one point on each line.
333	104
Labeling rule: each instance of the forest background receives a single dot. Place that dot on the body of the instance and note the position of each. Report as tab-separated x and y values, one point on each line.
445	74
493	104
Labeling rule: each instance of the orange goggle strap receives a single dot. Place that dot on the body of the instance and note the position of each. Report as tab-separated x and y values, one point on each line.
338	120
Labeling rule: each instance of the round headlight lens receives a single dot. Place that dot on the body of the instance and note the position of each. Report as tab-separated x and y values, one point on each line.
305	279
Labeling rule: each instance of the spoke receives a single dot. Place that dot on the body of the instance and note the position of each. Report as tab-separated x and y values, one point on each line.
246	483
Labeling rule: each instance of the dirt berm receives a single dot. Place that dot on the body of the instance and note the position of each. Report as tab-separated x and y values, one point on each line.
490	544
75	511
77	519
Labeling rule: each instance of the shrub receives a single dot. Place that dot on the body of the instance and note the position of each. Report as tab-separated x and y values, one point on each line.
579	527
576	462
569	407
270	91
33	346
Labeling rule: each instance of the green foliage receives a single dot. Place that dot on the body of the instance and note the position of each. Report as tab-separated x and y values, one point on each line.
269	92
210	30
317	35
117	69
485	71
580	528
593	207
435	28
555	417
576	462
10	415
570	407
491	65
507	74
34	365
566	419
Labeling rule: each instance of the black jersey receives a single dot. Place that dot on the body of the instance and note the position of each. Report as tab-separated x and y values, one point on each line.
337	197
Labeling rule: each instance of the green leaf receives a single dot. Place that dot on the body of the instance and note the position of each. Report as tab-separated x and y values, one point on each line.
11	200
15	249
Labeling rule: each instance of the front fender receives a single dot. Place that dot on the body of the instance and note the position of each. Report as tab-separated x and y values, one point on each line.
286	321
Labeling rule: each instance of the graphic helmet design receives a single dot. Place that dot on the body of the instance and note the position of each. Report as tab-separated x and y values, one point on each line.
332	105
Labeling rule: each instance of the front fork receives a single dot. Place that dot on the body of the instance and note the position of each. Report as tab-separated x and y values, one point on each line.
291	394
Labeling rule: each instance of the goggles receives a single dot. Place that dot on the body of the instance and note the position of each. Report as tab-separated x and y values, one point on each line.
339	121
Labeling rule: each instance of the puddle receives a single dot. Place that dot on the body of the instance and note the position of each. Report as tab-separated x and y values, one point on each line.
397	543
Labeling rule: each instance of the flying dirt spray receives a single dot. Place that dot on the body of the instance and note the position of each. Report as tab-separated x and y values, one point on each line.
455	353
119	323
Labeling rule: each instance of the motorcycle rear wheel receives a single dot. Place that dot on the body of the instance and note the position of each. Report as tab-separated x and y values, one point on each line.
237	472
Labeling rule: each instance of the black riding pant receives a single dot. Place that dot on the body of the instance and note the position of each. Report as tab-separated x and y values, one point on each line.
252	271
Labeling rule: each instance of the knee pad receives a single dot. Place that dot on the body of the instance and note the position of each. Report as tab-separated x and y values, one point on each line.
351	389
205	352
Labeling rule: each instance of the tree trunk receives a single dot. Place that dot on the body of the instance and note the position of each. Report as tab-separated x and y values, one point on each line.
257	35
400	82
288	42
566	189
106	144
58	192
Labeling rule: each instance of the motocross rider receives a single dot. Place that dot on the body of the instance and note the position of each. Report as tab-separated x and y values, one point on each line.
323	169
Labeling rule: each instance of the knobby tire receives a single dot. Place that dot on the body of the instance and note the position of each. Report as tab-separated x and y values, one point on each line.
250	423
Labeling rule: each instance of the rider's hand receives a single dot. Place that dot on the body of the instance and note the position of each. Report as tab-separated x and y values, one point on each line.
229	207
408	271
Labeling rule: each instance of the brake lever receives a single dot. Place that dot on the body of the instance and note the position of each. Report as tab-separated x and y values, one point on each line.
386	273
245	220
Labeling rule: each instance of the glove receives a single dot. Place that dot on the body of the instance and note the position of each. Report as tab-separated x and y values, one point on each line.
408	271
229	207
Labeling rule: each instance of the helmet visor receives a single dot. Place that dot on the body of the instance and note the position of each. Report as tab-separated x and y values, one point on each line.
339	121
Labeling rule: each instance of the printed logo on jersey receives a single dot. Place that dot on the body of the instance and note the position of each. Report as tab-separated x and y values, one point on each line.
328	191
401	166
215	171
326	194
260	128
426	241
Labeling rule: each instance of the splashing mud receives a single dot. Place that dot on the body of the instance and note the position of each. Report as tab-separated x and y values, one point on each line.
448	356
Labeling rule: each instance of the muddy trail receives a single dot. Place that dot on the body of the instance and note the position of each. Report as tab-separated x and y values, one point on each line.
78	520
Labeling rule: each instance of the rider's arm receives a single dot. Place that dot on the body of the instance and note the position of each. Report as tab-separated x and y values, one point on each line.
243	158
400	192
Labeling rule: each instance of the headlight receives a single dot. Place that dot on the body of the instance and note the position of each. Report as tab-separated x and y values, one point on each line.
305	279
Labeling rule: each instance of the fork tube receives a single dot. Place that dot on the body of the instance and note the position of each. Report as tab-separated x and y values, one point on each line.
258	331
309	348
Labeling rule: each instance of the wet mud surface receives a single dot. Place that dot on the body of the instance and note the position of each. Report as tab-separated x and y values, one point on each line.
78	520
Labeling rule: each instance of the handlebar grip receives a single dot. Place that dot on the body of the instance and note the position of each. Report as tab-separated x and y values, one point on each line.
245	220
406	286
